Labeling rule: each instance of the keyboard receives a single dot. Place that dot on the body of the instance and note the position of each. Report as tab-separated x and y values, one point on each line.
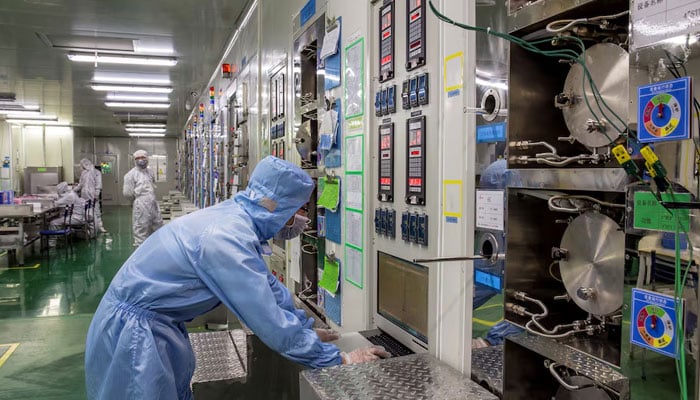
390	344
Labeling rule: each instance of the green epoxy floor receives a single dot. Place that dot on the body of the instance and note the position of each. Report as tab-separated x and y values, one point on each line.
47	310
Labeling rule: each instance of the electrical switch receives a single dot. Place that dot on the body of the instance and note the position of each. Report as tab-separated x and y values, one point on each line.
413	92
422	237
391	223
378	104
406	104
391	99
385	102
423	89
404	226
382	221
413	228
376	221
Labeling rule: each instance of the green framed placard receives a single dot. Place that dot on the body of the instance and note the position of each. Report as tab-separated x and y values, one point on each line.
354	228
354	79
354	154
353	186
355	268
650	215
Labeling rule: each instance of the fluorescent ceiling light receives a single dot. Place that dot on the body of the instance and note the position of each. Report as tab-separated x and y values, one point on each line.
132	79
146	130
136	89
35	122
147	134
119	59
35	117
18	113
145	125
152	46
136	97
136	105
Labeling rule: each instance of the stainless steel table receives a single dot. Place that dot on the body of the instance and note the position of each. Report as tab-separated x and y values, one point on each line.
26	221
416	377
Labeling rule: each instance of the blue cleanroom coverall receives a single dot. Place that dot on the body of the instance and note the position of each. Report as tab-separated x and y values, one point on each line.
137	346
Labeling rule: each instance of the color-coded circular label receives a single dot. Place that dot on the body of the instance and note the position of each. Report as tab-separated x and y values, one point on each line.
655	326
662	115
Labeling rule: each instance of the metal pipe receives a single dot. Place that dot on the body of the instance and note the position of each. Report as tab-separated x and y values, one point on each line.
445	259
551	335
551	148
534	319
555	374
565	161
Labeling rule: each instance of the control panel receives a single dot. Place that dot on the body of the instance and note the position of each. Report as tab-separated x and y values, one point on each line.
385	101
414	228
403	112
277	114
386	163
386	41
385	222
415	91
415	34
415	160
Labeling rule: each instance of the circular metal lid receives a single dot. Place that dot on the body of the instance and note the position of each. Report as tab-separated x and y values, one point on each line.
589	393
303	141
608	66
594	268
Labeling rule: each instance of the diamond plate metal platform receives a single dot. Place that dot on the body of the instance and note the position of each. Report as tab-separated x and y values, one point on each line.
487	368
416	377
585	365
220	356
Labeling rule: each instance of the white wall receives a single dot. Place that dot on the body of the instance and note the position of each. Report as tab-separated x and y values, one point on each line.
121	149
36	146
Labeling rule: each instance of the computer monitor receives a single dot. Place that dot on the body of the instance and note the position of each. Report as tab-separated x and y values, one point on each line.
402	295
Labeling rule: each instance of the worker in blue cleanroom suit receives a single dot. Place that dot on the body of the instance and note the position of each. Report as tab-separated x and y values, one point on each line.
137	346
139	186
495	176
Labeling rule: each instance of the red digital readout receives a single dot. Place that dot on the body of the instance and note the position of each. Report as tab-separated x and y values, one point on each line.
386	60
385	181
385	142
386	34
386	20
415	44
415	138
415	152
415	181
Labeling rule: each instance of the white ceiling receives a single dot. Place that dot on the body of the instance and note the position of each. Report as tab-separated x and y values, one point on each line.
197	31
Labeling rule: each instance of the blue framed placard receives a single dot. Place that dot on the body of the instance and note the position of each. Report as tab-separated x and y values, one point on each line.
308	11
491	133
665	111
653	322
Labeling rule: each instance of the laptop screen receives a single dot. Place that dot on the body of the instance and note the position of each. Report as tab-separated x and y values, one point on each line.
402	294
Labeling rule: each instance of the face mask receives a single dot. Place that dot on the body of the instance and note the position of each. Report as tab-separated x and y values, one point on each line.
294	230
142	163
